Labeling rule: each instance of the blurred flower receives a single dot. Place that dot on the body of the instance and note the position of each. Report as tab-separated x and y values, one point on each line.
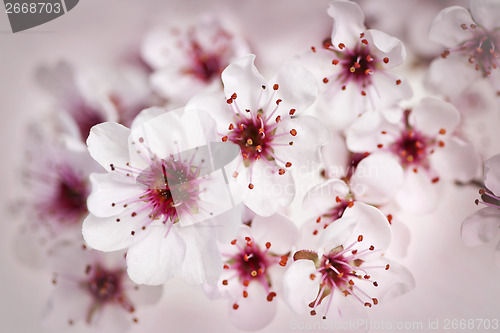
263	119
163	195
253	268
93	287
482	227
348	262
189	60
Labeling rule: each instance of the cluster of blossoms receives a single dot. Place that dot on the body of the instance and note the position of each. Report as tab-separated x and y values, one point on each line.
190	163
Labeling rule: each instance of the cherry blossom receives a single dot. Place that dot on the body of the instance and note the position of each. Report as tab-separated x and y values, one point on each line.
264	119
253	267
354	68
93	288
166	197
188	59
347	265
482	226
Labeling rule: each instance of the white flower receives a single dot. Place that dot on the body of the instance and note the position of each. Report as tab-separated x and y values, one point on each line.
253	269
168	195
482	227
353	65
425	146
93	288
188	60
263	119
348	265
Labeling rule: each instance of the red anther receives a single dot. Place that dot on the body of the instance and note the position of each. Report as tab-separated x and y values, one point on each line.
363	93
384	132
276	86
364	41
268	245
442	131
441	143
366	277
375	301
335	62
281	171
241	127
368	71
318	220
229	101
343	87
233	242
233	96
313	49
375	283
258	148
368	304
368	58
246	283
224	282
260	271
341	46
371	248
337	199
380	145
292	112
351	282
235	306
250	186
313	313
132	233
224	139
360	238
315	232
389	218
325	80
225	266
387	267
386	60
350	204
354	251
290	143
278	101
312	276
245	293
445	54
235	174
398	82
361	35
245	156
473	26
293	132
283	261
270	296
435	180
463	26
278	119
231	127
288	164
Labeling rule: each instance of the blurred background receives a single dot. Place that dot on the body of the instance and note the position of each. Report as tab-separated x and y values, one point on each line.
452	281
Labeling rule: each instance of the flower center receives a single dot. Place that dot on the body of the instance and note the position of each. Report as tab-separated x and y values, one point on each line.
104	286
411	147
481	49
251	263
205	66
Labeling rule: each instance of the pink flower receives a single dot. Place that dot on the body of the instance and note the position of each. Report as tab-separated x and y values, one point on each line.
188	60
482	226
167	196
253	268
93	288
348	264
353	65
264	119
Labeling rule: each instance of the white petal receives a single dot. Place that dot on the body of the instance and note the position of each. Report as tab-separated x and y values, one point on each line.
299	290
321	197
298	88
431	115
377	178
214	105
492	174
486	13
446	28
481	227
241	77
457	160
365	134
386	46
106	234
108	144
386	92
254	312
277	229
339	232
335	156
108	190
348	22
418	194
304	153
157	257
146	115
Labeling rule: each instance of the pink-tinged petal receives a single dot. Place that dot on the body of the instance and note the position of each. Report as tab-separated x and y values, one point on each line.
304	153
158	49
450	76
496	255
276	229
108	189
386	91
202	263
146	115
386	46
297	88
372	224
157	258
418	194
271	191
365	134
348	22
446	28
486	13
321	197
108	144
481	227
255	311
335	156
432	115
241	77
216	106
298	288
340	109
377	178
492	174
401	239
458	160
116	232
